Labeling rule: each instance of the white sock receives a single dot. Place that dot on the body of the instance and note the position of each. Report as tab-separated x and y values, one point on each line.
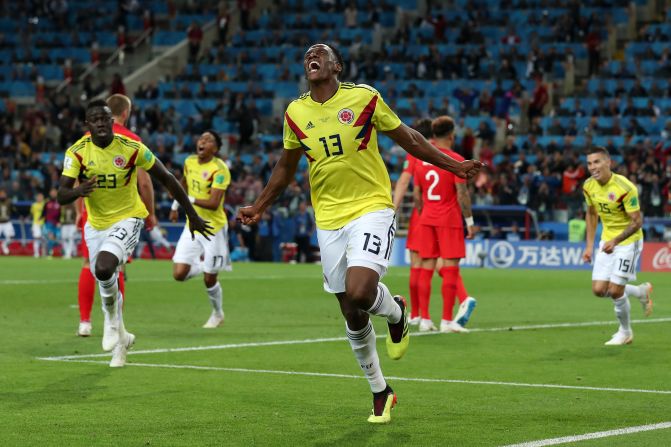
632	290
385	306
36	247
109	289
622	310
195	270
365	351
216	298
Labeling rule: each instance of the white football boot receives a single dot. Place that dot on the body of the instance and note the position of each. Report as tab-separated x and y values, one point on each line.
84	329
111	325
214	321
620	338
427	326
126	341
645	299
447	327
415	321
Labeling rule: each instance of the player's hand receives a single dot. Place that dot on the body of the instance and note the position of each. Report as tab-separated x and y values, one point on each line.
249	215
587	256
608	246
150	222
469	168
87	187
174	214
471	231
198	225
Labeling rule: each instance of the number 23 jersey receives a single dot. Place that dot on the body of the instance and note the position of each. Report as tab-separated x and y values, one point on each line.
348	177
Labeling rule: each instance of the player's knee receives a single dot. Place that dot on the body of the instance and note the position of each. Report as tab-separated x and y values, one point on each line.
179	274
360	295
104	271
600	291
210	280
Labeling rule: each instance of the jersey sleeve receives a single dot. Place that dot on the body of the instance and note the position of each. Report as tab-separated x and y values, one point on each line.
222	178
145	158
290	138
71	164
384	118
630	201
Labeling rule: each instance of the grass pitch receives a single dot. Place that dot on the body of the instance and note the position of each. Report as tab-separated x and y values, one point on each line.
282	374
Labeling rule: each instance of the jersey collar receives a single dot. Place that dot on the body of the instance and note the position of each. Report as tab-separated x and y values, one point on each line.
312	101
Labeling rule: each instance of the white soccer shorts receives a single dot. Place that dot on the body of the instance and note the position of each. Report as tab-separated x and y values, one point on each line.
37	231
618	267
120	239
68	231
364	242
215	251
6	230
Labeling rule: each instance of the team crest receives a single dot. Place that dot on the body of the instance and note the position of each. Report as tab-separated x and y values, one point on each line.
611	196
346	116
205	175
119	161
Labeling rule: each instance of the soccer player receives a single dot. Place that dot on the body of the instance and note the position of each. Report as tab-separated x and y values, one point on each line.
205	179
52	221
614	199
68	229
37	211
444	199
106	166
120	105
335	126
6	227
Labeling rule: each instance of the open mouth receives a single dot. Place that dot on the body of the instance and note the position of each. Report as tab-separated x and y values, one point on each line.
313	67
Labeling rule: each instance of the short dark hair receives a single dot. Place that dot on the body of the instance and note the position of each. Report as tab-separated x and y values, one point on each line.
423	126
598	150
216	136
338	56
97	103
442	126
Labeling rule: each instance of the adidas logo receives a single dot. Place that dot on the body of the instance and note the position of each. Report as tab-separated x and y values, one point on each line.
309	126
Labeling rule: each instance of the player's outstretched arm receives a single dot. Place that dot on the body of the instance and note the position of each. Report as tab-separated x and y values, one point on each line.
283	172
196	224
591	219
400	188
415	144
68	193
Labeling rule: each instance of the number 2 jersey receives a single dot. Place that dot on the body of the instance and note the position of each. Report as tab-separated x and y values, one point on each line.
440	207
201	179
612	202
115	196
348	177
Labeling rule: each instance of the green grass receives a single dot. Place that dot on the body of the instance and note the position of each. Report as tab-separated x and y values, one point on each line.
67	403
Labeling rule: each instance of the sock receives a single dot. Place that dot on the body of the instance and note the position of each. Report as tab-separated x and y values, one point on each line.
631	290
215	295
195	270
622	309
385	306
86	292
424	292
462	294
365	351
414	291
36	248
109	289
450	275
122	284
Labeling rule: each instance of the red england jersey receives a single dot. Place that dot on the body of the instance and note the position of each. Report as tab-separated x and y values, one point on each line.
409	164
440	207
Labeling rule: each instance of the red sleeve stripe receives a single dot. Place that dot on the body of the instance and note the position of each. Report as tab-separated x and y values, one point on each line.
621	198
367	113
299	133
131	162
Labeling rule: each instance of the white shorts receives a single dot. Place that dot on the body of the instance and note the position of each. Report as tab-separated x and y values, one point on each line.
215	251
120	239
364	242
68	231
37	231
7	230
619	267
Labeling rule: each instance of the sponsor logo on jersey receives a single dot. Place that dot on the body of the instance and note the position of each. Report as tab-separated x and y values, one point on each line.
309	126
346	116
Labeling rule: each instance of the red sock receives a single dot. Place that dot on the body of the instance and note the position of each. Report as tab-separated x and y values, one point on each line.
87	290
414	291
424	292
122	288
461	290
450	275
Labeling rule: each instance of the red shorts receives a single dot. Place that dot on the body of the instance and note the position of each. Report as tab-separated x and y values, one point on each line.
412	242
441	242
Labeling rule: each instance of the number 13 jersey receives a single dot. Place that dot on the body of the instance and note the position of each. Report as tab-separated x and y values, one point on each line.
348	177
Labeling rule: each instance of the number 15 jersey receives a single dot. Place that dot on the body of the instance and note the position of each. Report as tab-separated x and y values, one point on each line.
348	177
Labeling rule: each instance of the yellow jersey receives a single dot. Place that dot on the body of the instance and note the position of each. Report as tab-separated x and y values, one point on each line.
115	196
201	179
37	211
348	177
612	202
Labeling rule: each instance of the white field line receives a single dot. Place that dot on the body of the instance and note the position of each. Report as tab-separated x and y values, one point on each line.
360	377
595	435
21	282
332	339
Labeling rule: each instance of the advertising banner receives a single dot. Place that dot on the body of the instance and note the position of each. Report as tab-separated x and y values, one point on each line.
656	257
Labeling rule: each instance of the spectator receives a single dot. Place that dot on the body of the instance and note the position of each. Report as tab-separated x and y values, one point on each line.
195	35
117	86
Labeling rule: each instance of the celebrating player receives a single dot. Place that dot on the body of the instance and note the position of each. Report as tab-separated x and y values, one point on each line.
120	105
335	126
614	199
205	179
106	166
444	199
6	227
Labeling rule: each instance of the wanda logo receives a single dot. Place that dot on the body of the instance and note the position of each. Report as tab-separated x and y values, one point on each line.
662	259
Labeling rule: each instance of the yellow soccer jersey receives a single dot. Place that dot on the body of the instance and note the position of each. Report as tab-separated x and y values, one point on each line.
612	202
201	179
347	175
116	196
37	210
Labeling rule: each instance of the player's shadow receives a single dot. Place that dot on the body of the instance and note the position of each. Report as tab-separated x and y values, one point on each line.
367	435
